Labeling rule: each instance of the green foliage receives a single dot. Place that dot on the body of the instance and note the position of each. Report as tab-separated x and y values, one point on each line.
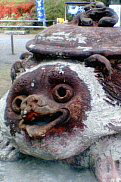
106	2
13	17
56	8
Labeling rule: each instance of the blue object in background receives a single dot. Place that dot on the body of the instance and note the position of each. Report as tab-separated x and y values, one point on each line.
41	11
73	10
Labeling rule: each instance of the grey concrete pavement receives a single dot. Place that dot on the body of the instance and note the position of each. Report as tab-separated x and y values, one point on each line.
7	59
19	46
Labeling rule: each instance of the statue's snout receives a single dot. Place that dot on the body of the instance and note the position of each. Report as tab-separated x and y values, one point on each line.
38	116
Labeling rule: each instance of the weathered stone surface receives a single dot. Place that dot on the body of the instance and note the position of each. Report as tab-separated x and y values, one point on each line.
73	41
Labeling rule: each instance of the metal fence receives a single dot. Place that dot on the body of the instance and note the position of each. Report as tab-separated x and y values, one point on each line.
25	21
12	33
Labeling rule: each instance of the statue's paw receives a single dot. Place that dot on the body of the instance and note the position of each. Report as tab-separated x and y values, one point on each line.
8	152
107	22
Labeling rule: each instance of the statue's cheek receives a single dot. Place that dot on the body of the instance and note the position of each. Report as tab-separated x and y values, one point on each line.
77	110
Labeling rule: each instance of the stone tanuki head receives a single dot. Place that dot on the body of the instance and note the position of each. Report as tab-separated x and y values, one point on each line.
96	15
47	106
65	105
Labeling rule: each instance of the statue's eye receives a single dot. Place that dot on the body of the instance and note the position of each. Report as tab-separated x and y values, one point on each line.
62	93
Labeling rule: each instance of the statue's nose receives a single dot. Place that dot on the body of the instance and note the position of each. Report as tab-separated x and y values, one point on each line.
32	101
36	103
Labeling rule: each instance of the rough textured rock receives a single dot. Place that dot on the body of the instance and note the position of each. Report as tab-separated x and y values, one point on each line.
98	15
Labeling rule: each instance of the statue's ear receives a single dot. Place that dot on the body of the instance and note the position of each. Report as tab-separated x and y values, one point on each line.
100	63
25	62
16	69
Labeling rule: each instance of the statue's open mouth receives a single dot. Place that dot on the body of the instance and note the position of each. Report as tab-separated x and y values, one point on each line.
37	125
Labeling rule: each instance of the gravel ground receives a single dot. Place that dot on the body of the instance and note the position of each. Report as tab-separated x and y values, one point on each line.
7	59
